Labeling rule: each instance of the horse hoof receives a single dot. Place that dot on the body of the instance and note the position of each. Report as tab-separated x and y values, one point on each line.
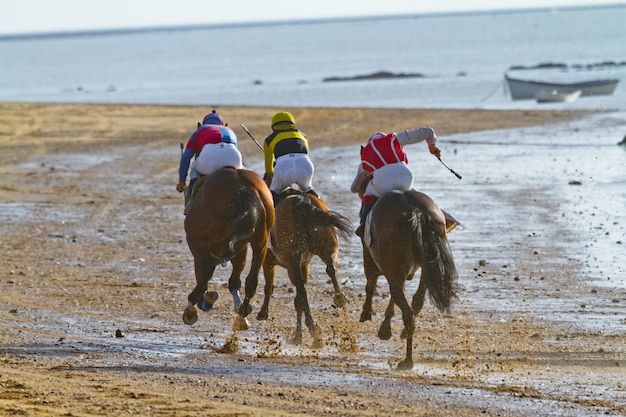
247	313
405	364
365	317
316	333
263	315
297	339
190	316
340	300
204	306
241	323
318	344
211	297
384	333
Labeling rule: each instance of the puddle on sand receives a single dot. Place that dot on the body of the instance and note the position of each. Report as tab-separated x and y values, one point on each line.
40	212
69	162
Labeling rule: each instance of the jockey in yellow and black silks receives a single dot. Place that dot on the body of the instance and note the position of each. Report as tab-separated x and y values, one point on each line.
286	156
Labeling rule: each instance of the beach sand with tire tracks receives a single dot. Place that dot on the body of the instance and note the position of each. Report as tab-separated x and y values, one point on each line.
95	272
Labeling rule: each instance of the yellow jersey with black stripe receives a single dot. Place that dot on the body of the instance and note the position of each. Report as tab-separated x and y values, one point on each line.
282	142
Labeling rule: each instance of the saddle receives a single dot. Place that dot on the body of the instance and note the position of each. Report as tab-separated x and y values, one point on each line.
191	191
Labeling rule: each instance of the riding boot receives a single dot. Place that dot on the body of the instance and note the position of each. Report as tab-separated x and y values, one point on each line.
275	197
365	209
189	195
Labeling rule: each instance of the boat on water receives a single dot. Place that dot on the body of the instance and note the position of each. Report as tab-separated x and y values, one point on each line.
556	96
528	89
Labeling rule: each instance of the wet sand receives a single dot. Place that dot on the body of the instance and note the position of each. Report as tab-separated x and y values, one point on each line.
95	272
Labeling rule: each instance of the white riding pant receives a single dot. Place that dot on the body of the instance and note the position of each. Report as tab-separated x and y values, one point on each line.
214	156
292	168
390	177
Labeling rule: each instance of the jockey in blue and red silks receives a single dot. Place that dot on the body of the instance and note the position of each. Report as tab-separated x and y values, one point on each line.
384	158
215	146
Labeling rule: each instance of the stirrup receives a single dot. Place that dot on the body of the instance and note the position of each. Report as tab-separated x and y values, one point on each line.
360	230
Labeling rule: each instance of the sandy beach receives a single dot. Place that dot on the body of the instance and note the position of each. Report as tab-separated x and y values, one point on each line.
95	273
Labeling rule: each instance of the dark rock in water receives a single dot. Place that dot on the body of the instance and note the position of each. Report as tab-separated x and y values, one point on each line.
561	66
544	65
623	142
375	76
575	183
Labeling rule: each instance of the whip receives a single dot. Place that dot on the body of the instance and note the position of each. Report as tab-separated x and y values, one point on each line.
449	169
250	134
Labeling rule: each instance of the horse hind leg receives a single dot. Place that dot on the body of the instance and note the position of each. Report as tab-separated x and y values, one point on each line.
384	331
301	304
314	329
418	299
367	311
234	282
371	274
204	269
297	336
252	280
339	298
408	318
269	271
417	303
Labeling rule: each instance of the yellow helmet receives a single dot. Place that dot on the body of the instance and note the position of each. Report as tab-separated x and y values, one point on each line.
283	120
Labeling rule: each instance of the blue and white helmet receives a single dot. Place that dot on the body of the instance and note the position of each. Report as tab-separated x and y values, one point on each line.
213	118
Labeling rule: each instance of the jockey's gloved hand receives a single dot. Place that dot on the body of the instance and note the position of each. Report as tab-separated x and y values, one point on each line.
435	151
180	187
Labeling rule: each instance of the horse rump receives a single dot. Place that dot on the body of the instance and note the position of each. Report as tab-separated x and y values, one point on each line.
246	216
319	217
438	267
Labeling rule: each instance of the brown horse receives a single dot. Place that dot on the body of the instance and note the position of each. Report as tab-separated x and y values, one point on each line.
232	208
405	231
304	227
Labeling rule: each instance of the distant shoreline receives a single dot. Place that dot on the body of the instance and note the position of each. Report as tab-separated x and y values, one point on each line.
68	125
165	28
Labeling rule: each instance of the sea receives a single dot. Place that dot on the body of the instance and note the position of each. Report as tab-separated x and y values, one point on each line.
434	61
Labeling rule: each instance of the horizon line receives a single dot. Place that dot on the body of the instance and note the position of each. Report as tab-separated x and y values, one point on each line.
194	26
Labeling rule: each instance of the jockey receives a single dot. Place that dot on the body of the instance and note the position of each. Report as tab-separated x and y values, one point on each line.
384	158
286	157
214	146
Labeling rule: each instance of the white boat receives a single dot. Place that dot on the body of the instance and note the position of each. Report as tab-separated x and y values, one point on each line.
527	89
556	96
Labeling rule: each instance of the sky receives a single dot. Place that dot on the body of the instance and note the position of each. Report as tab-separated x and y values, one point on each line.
41	16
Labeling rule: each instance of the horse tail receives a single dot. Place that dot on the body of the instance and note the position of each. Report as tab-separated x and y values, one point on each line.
246	216
439	270
318	217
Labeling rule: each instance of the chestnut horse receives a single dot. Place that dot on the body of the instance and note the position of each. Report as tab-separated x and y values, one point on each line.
232	208
405	231
304	227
